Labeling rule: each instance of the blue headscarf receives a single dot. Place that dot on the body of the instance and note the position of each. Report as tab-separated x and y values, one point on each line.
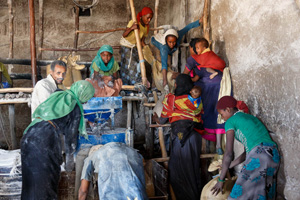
99	62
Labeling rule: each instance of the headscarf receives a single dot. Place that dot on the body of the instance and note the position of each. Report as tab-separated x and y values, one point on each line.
193	44
230	102
161	38
184	84
99	62
61	103
145	11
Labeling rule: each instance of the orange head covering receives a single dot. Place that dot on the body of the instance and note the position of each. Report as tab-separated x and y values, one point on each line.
145	11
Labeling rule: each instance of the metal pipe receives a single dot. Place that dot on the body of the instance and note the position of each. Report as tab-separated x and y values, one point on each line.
38	62
32	42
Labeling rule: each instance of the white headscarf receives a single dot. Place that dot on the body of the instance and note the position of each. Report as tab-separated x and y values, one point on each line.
161	38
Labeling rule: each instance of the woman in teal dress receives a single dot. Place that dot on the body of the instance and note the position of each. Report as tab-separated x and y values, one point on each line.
257	179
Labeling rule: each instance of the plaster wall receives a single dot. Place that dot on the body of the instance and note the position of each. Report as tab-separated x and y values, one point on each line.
260	43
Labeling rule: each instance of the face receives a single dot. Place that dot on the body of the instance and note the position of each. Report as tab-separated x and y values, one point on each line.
171	41
199	48
105	56
195	93
192	52
146	19
58	74
225	113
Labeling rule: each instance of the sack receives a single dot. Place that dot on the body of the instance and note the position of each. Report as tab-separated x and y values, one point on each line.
206	193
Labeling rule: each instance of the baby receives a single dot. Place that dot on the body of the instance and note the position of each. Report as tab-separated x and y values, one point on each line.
201	45
195	96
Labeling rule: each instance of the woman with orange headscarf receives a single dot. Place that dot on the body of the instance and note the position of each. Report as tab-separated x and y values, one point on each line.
130	68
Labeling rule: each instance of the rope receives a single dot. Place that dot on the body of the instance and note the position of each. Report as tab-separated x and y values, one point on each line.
84	7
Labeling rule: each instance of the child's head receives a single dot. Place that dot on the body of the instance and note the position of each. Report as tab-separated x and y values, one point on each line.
171	36
192	46
145	16
226	106
201	45
195	92
106	53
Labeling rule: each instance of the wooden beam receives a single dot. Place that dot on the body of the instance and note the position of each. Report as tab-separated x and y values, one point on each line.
206	26
41	27
11	29
155	15
12	126
13	90
76	27
159	125
32	42
138	45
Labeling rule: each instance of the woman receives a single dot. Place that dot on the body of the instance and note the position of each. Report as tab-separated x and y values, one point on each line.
167	44
257	179
184	163
130	68
105	73
210	89
41	149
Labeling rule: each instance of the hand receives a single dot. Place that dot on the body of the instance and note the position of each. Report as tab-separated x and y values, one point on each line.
155	118
134	26
201	20
217	188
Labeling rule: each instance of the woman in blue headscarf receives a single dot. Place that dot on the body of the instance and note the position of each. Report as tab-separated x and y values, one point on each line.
104	74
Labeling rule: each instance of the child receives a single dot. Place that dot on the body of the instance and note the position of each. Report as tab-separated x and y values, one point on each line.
130	67
195	96
257	179
168	43
105	73
202	46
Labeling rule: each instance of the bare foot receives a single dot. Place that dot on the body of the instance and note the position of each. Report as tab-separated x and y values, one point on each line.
213	75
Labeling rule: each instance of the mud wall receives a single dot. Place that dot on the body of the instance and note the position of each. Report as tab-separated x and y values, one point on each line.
59	32
259	40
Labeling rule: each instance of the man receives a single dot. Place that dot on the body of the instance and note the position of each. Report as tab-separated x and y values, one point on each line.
120	173
45	87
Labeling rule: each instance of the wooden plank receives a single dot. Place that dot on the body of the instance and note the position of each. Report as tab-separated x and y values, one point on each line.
129	114
149	104
138	45
159	125
12	90
12	125
32	42
13	101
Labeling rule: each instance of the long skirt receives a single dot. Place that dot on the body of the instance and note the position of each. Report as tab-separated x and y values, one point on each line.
209	95
257	179
41	160
184	163
130	69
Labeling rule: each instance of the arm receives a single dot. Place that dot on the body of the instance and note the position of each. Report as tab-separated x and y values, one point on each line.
130	27
83	190
71	135
195	78
116	75
183	31
238	160
226	161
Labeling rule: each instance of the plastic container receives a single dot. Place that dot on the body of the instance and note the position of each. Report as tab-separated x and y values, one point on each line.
100	108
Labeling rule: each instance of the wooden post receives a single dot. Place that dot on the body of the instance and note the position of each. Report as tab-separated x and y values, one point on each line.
11	111
76	27
32	42
138	45
206	26
41	27
11	28
155	15
129	113
128	10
